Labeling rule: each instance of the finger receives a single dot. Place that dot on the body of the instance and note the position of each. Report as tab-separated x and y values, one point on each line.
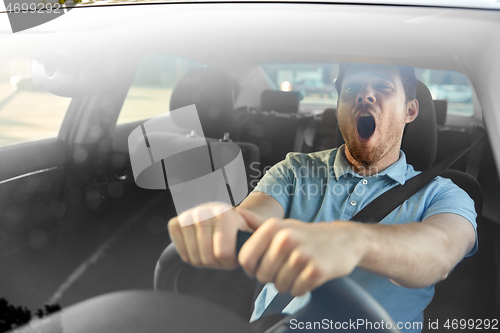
256	246
253	220
275	257
289	272
308	279
224	239
204	238
174	230
191	244
205	245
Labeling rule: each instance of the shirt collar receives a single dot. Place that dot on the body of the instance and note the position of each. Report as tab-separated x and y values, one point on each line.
396	171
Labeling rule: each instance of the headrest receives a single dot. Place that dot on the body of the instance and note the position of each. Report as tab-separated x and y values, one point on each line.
280	101
420	136
441	106
211	90
328	122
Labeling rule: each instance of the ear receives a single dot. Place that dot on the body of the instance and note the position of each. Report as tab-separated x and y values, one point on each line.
411	111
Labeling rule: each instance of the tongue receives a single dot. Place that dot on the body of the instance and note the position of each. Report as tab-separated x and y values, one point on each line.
366	126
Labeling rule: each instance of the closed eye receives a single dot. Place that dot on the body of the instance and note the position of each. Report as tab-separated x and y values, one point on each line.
383	87
352	87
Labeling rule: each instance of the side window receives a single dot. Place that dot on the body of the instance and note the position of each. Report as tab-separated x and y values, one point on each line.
149	94
451	86
315	81
27	113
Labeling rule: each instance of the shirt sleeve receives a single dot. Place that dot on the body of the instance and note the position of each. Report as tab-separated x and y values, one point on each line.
279	182
452	199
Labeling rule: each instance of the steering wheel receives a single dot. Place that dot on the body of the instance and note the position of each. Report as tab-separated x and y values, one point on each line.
338	304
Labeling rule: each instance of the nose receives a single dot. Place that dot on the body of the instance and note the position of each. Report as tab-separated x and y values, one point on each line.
366	95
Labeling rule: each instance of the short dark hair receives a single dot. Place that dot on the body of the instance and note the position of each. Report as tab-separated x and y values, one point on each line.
407	74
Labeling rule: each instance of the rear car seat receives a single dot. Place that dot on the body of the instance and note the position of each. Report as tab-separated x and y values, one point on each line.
452	140
278	128
325	135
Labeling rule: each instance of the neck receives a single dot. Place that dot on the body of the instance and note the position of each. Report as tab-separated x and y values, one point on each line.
369	170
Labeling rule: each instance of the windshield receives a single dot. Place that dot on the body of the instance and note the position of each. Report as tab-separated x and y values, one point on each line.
150	91
82	83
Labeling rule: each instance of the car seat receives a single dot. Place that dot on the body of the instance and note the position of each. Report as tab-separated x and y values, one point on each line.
327	130
212	91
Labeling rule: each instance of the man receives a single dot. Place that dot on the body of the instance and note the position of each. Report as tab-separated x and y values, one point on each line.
397	261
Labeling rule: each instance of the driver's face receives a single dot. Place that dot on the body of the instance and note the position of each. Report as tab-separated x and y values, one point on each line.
372	112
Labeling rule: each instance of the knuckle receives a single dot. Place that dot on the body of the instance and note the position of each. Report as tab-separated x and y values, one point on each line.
223	255
315	274
196	263
217	209
272	225
298	259
274	222
201	214
228	265
209	262
285	234
245	262
173	223
284	239
185	257
248	265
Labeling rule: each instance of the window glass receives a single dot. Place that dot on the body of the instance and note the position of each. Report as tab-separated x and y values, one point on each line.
27	113
450	86
315	81
149	93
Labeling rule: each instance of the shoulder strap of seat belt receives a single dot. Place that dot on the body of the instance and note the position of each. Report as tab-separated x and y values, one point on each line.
377	210
385	203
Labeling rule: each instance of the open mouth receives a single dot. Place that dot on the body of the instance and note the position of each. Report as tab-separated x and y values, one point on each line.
365	125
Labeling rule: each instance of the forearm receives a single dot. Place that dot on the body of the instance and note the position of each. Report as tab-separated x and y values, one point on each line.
413	255
264	205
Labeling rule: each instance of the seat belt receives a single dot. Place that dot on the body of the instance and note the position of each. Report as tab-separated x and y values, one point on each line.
382	206
385	203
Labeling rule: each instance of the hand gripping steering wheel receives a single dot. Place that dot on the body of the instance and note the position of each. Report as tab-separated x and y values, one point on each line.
338	304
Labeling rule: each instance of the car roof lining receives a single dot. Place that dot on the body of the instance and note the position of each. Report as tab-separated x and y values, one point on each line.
264	27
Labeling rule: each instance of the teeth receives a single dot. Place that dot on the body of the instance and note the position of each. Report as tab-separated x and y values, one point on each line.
365	115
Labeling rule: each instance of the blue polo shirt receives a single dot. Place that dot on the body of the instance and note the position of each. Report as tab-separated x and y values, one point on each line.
321	186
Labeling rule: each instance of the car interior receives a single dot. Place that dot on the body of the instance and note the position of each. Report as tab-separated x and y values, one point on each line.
75	223
423	132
